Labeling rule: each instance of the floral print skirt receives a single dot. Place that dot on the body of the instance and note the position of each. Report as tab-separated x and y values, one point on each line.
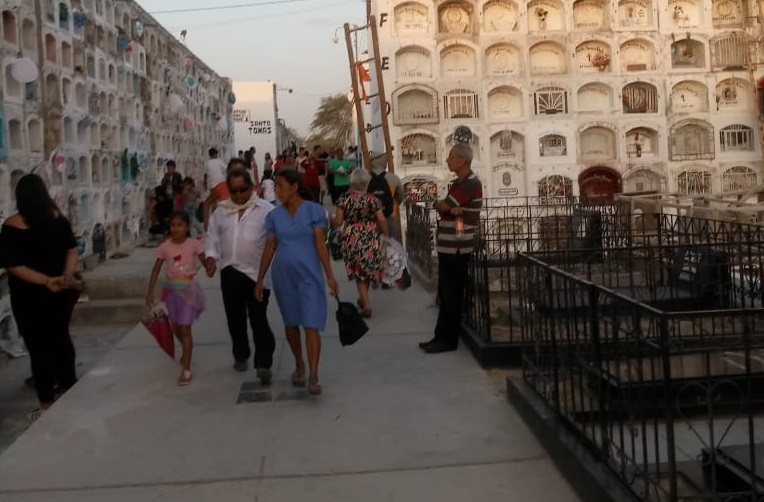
362	252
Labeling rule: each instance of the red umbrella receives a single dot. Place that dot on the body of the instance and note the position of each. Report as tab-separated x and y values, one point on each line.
159	326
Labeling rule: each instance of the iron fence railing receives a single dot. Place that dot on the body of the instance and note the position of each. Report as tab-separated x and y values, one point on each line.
528	224
420	236
602	241
669	401
613	247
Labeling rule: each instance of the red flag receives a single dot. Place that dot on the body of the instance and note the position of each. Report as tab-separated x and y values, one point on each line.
363	76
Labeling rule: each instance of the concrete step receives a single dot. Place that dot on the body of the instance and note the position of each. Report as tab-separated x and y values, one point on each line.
113	288
109	311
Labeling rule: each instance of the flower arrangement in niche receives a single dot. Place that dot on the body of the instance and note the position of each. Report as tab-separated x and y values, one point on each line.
600	61
687	50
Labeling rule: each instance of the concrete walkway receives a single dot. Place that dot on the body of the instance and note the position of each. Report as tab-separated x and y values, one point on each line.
393	424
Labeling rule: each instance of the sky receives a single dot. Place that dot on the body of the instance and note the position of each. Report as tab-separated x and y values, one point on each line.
289	43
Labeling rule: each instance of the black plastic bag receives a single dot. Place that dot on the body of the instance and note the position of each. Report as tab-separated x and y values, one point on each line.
352	326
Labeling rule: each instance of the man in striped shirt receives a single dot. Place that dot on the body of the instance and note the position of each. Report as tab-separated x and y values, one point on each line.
459	220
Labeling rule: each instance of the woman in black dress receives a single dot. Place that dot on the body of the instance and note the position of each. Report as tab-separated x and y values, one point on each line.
38	249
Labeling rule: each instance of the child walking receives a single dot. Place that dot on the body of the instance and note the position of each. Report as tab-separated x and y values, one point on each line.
183	297
191	198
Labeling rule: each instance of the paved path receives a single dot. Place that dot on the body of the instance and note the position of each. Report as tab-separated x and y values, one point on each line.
393	424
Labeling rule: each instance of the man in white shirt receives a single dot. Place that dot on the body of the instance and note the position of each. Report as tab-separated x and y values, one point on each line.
216	170
216	180
234	243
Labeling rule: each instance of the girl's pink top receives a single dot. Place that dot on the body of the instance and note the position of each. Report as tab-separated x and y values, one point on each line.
180	259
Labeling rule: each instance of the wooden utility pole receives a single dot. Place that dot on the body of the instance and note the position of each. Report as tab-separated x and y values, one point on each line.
368	126
356	95
383	108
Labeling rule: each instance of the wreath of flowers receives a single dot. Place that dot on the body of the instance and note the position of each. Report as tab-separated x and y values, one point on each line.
600	61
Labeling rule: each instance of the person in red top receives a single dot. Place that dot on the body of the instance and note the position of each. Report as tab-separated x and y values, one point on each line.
310	170
278	163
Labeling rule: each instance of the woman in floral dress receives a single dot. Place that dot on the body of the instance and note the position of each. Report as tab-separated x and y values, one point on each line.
361	246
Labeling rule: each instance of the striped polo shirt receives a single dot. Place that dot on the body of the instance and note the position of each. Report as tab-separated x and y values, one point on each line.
467	194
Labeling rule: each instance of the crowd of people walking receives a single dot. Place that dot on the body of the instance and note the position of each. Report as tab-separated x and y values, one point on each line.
259	234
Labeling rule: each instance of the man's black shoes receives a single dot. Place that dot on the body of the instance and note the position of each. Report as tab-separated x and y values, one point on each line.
437	348
422	345
434	346
264	374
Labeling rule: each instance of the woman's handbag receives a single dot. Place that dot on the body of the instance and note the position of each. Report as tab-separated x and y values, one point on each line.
158	324
352	326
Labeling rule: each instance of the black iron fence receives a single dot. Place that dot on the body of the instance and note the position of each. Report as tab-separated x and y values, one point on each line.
609	245
667	397
601	241
420	236
525	225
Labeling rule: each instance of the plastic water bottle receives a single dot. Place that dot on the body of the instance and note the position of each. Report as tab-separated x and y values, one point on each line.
459	224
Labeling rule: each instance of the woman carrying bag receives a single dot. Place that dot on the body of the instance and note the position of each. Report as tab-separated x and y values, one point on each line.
296	229
362	216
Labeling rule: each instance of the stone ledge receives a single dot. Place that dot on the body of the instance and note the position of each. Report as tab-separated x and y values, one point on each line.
492	355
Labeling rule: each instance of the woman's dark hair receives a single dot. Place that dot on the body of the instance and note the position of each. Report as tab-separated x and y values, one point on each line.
267	174
34	203
292	177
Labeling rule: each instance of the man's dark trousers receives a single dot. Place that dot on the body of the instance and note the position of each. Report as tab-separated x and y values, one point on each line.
239	301
452	279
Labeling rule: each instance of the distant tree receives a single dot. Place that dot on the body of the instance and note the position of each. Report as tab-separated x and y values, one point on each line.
332	125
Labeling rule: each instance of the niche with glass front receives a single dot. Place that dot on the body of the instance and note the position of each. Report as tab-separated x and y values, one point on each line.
418	150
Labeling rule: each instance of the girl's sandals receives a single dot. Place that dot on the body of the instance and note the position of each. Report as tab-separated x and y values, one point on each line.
185	378
298	378
32	416
314	388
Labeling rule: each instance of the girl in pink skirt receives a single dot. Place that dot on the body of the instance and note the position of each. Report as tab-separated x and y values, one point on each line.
183	297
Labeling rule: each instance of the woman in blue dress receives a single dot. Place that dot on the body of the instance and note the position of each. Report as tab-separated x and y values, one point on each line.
296	246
